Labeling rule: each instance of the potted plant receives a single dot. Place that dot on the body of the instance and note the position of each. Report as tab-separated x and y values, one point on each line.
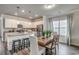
47	33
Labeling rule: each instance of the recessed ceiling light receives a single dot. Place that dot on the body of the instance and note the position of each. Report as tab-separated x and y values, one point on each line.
49	6
29	23
23	11
36	15
16	14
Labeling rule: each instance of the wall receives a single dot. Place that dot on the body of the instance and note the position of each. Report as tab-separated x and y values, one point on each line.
45	23
75	29
35	23
0	26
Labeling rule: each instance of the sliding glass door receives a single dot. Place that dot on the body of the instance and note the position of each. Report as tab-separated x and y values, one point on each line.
56	26
60	26
63	31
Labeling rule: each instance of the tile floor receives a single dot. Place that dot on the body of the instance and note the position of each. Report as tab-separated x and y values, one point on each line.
68	50
1	48
63	50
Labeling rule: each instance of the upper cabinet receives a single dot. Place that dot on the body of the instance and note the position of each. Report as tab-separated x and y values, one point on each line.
12	23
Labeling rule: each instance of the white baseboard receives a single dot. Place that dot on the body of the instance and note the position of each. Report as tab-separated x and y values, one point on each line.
74	44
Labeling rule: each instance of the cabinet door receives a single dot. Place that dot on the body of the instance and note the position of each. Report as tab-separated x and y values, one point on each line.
9	23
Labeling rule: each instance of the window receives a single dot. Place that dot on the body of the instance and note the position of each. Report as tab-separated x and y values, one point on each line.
63	27
56	26
60	26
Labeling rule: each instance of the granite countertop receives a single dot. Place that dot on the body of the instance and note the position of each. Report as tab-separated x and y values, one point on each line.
17	34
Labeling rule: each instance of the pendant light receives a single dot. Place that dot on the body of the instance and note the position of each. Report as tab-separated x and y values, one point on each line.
17	11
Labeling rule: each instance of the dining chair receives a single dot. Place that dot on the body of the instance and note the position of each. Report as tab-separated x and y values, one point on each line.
52	46
49	48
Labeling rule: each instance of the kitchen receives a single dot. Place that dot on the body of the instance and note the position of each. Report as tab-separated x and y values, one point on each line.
26	31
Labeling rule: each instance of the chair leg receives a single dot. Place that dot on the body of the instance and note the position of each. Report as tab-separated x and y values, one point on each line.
55	50
46	51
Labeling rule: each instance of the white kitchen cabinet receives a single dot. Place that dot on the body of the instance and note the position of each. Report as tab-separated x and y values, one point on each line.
12	23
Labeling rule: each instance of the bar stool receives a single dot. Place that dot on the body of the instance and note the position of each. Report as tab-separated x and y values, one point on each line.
16	46
25	43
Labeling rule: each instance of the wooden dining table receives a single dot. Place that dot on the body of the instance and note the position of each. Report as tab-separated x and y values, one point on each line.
47	44
44	41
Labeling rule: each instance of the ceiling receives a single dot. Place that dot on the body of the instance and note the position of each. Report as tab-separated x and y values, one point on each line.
38	9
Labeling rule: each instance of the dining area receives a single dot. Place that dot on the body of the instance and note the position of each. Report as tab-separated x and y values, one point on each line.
51	43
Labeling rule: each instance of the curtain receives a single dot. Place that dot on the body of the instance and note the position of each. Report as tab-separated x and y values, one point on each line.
69	20
50	25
